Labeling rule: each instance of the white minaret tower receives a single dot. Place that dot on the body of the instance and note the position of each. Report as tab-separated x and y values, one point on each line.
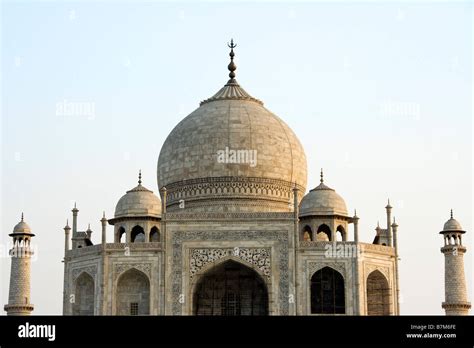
19	295
454	281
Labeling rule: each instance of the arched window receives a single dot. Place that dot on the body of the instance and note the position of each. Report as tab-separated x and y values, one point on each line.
133	293
120	234
378	294
327	292
154	234
340	233
307	233
137	235
326	233
83	295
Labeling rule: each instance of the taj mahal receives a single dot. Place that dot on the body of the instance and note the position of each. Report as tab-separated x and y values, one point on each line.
230	229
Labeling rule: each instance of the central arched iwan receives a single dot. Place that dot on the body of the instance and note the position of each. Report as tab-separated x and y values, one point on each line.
230	288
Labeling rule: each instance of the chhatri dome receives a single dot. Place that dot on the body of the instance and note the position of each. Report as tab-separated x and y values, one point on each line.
322	200
138	202
452	224
231	154
22	227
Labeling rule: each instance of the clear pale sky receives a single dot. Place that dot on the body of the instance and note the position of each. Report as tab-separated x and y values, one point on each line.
379	94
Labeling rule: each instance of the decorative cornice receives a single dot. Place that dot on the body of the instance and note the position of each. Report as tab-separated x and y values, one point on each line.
453	248
113	221
456	305
19	307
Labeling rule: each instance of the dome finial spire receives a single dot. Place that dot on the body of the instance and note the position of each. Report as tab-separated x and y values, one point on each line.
140	177
232	67
451	214
322	176
22	216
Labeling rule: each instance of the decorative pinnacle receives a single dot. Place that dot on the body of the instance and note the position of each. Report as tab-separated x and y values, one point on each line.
322	176
451	215
388	204
140	177
89	227
394	224
67	225
22	216
355	213
232	67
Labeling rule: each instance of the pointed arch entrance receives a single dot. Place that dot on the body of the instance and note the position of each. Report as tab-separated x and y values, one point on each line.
84	295
327	292
230	288
133	293
378	294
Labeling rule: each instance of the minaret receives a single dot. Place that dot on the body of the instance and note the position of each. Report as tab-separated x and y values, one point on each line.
19	295
456	302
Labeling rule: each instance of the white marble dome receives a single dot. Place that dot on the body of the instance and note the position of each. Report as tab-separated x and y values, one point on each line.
194	166
22	227
322	200
452	225
138	202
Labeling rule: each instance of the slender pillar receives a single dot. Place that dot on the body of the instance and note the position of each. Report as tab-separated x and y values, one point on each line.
67	235
355	220
105	265
389	221
74	219
103	221
295	250
397	278
164	252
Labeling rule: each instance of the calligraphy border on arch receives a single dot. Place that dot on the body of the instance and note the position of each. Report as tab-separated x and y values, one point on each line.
259	257
120	268
314	266
90	269
369	268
